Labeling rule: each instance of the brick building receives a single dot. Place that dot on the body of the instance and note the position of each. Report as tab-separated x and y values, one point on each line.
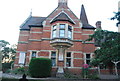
59	36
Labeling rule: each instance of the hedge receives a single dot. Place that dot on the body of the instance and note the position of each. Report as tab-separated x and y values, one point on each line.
40	67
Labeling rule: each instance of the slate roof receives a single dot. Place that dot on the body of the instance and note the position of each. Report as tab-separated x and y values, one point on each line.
84	20
32	21
62	17
37	21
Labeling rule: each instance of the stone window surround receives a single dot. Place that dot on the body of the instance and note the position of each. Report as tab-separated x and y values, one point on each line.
70	58
58	32
91	56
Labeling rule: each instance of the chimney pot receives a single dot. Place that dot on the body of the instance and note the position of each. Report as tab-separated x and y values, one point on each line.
98	25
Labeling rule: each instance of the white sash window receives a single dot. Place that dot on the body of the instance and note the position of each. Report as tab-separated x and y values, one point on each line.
22	58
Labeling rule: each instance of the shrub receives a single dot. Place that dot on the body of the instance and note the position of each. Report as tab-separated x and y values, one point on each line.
20	70
85	70
5	66
40	67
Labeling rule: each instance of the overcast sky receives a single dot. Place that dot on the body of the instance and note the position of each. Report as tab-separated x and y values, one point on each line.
14	12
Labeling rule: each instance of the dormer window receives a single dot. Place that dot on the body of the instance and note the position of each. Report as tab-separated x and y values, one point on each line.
62	31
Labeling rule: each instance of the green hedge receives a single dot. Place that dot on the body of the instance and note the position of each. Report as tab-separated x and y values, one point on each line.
40	67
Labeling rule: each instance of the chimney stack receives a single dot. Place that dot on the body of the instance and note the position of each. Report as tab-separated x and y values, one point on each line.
98	25
62	2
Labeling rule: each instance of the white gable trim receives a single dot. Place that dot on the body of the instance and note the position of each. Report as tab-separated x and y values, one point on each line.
64	13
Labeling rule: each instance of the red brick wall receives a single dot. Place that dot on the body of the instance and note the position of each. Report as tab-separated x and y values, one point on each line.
35	40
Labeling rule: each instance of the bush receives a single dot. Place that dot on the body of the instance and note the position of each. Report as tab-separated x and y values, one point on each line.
20	70
5	66
40	67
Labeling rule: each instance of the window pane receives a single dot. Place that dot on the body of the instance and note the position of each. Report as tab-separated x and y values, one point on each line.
68	62
68	54
87	56
53	54
62	33
62	26
54	33
69	28
53	62
87	61
69	34
54	27
22	57
33	54
53	58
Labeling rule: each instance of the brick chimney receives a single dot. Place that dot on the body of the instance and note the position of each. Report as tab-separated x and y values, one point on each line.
98	25
62	3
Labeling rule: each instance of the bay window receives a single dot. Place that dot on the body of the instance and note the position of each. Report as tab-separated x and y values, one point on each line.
62	31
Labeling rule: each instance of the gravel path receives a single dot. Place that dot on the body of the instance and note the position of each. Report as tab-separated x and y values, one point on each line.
5	75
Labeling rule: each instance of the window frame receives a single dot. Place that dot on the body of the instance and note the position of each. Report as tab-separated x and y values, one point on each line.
62	35
87	59
69	30
68	58
65	31
54	57
33	53
54	35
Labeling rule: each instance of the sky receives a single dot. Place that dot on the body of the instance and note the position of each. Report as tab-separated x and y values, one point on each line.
14	12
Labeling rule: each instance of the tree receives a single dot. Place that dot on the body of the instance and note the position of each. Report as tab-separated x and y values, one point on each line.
109	43
8	53
117	17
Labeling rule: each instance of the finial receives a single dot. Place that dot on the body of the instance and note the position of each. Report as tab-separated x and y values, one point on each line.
31	12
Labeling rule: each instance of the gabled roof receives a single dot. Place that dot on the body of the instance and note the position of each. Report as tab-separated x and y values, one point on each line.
32	21
84	20
62	17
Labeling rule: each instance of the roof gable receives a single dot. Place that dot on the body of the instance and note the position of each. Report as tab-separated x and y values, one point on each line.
62	16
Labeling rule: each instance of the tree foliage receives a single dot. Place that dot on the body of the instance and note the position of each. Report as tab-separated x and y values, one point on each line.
117	17
8	53
109	43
